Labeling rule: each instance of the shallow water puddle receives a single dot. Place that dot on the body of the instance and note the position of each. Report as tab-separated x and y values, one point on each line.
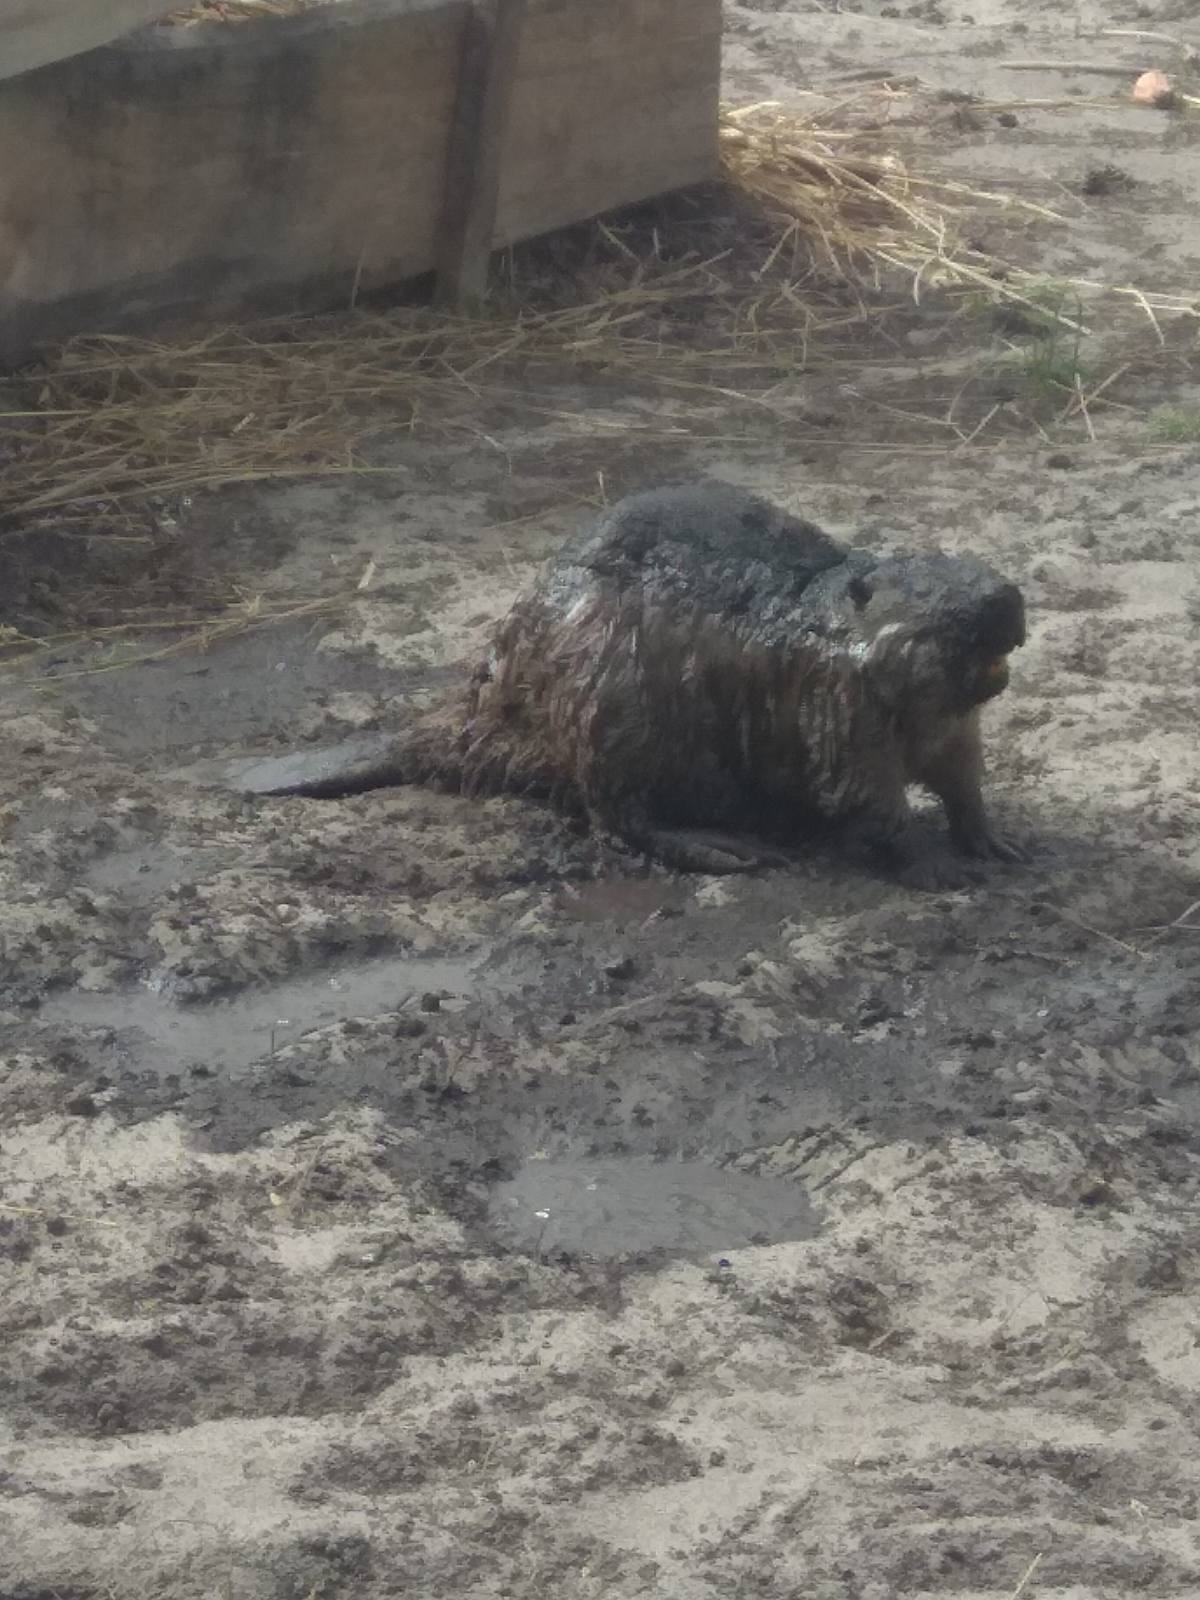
615	1207
228	1036
140	872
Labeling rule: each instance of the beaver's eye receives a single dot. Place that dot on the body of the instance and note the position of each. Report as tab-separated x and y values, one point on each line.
859	591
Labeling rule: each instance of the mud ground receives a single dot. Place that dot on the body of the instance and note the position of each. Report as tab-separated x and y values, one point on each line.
408	1196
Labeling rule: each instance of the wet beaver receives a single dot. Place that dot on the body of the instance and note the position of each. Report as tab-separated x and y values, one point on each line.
701	664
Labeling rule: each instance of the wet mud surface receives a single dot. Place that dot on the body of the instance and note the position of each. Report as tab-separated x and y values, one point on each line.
410	1195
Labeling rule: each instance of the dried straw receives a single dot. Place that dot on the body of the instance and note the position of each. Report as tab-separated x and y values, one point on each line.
870	213
236	11
818	231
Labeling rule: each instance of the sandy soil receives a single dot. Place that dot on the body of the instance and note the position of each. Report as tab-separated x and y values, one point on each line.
407	1197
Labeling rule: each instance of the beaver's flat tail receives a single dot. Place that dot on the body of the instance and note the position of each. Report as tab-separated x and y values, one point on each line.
368	761
350	767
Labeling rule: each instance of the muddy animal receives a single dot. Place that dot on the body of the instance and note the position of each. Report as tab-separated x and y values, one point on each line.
705	676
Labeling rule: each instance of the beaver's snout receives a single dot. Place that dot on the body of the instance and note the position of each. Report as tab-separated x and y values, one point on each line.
999	623
993	629
991	679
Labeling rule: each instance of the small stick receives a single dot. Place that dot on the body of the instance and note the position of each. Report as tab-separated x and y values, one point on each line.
873	75
1099	933
878	1343
1058	103
600	1018
1069	66
953	407
67	1216
358	272
1146	307
978	428
1081	399
1073	403
1029	1572
1181	921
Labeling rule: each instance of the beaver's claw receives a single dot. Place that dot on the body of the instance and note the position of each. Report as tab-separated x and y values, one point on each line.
984	845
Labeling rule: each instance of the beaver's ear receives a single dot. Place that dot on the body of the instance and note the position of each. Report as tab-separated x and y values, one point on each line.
860	592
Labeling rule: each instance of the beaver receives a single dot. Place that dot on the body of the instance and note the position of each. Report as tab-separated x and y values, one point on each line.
703	675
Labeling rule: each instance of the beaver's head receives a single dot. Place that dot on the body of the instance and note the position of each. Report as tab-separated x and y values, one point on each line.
936	626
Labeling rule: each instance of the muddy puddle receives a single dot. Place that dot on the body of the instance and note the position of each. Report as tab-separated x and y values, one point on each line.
227	1037
139	873
625	1207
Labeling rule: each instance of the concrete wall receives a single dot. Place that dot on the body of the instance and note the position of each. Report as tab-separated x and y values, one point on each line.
275	165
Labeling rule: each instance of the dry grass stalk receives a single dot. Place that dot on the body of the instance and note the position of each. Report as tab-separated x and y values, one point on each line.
870	213
236	11
181	633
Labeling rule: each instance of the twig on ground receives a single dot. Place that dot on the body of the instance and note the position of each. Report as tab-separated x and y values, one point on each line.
1182	922
1029	1572
1081	400
67	1216
1076	403
1098	933
1098	69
